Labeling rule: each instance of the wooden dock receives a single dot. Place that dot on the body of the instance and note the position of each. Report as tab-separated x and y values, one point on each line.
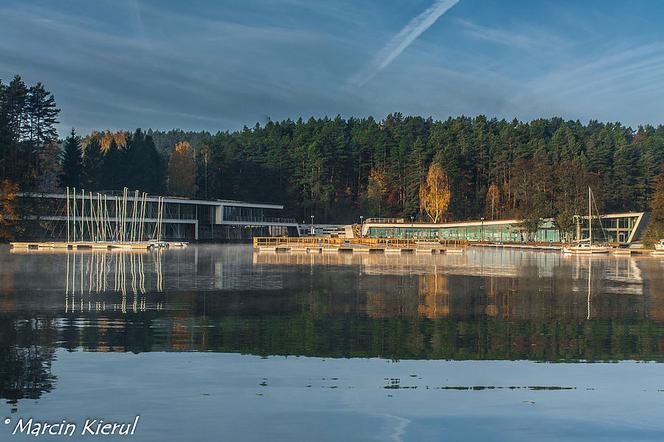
94	245
357	245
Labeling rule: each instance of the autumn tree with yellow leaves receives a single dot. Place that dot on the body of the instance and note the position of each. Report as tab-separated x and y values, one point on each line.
435	193
182	170
376	190
492	200
8	217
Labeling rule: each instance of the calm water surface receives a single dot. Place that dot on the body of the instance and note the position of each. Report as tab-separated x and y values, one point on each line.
219	343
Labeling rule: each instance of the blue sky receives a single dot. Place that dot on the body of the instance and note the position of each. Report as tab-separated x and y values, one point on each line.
219	65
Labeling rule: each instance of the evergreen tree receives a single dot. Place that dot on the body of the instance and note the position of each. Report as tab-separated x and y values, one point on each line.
72	162
113	172
655	230
92	165
42	115
50	169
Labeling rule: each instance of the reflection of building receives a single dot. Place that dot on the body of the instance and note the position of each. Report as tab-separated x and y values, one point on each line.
623	228
183	218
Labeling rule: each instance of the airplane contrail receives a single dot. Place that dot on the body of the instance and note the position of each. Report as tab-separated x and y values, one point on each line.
401	41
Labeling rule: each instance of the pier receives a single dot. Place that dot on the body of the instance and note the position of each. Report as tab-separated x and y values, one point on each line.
90	245
357	245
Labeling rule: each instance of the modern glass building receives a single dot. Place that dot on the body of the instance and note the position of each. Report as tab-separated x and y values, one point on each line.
621	228
43	216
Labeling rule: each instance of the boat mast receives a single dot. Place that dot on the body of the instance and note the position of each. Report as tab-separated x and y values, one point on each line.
590	215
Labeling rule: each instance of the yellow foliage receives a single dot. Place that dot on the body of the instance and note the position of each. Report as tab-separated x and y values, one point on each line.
492	199
182	170
119	137
183	147
8	217
435	193
377	186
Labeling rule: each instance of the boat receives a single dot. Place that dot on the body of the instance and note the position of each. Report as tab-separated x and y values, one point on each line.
587	248
659	248
584	249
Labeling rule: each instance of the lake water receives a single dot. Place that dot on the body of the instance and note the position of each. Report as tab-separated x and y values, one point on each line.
219	343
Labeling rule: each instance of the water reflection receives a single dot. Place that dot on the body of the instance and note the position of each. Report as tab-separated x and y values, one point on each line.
484	304
99	273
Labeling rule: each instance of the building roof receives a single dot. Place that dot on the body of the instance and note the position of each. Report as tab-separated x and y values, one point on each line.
166	199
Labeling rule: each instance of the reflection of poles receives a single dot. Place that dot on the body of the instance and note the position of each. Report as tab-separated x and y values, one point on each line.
141	273
157	265
92	269
133	274
91	266
590	270
67	277
81	281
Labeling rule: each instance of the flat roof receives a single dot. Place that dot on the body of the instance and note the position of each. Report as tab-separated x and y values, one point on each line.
473	223
153	198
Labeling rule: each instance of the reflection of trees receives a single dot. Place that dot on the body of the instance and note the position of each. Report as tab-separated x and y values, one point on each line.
435	307
434	296
26	355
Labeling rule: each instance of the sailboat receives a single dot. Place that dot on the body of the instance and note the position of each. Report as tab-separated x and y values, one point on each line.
589	247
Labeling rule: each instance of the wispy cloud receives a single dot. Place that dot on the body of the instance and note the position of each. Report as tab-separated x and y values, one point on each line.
401	41
533	39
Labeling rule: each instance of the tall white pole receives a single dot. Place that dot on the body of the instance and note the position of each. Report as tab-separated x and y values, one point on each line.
142	227
161	219
91	220
74	217
133	217
117	218
160	215
100	218
68	221
124	213
107	233
82	214
590	215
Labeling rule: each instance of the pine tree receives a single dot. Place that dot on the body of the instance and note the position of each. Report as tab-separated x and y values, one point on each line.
143	166
42	115
49	167
72	162
655	230
12	118
92	165
112	167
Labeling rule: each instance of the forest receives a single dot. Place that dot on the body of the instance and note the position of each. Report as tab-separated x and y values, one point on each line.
341	168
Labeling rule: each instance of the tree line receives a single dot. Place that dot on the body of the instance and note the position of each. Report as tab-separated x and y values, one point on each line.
339	169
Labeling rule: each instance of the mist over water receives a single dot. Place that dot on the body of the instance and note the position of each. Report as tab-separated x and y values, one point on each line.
336	346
